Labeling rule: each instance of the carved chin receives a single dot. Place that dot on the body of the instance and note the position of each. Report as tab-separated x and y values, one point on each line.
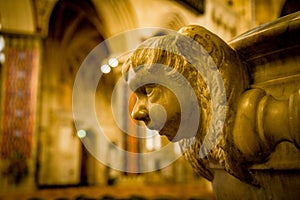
170	129
168	134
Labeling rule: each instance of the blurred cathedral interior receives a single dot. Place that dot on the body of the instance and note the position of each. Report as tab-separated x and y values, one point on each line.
42	46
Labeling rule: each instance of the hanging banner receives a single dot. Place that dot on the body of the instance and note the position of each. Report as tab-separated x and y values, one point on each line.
20	75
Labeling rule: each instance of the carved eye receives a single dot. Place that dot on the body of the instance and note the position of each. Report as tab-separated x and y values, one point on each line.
149	90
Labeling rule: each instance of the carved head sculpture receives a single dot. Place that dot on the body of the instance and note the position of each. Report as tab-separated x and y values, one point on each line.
192	78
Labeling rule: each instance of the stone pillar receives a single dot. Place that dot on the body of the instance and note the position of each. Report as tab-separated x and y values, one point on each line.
267	124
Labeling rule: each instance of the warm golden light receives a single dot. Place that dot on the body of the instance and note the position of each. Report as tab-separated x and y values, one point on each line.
81	133
105	69
113	62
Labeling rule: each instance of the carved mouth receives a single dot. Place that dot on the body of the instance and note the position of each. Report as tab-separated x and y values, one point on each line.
152	126
168	129
161	130
156	125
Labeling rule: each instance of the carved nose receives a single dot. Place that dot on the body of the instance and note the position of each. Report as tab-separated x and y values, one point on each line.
140	112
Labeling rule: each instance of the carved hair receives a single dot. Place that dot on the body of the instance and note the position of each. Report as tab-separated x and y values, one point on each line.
194	45
170	50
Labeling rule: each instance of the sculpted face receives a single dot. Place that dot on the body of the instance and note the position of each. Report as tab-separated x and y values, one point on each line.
205	79
157	107
164	85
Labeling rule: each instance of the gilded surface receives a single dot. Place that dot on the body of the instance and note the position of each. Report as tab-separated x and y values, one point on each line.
236	120
217	77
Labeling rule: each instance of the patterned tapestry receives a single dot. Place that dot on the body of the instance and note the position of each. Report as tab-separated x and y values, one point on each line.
19	85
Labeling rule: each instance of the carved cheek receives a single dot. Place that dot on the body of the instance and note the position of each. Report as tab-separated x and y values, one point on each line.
159	96
169	102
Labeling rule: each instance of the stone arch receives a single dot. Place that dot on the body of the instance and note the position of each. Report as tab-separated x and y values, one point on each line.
74	29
